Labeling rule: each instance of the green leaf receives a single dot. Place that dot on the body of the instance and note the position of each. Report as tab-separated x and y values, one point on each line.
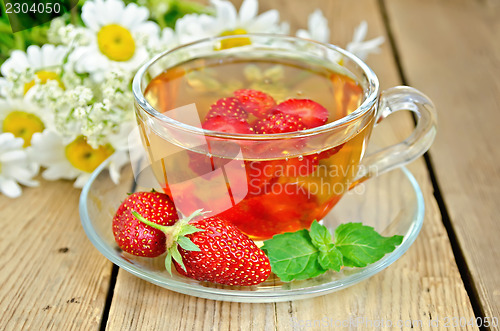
177	256
188	229
320	236
168	263
293	256
331	258
361	245
187	244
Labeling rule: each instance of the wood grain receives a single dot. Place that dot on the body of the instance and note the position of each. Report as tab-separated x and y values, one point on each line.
451	49
52	277
423	286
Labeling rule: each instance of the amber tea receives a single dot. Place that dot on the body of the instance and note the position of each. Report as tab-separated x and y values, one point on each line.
262	190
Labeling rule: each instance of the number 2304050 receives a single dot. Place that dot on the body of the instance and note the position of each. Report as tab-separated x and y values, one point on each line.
25	8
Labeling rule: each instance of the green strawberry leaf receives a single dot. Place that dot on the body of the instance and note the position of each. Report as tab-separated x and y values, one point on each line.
188	229
168	262
293	256
187	244
331	258
177	256
361	245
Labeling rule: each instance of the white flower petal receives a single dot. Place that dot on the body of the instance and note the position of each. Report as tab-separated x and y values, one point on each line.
46	51
9	142
17	62
60	171
301	33
23	176
284	28
134	15
318	25
225	14
34	57
148	29
10	188
118	160
13	156
114	11
360	32
81	180
14	165
265	22
89	15
193	27
248	11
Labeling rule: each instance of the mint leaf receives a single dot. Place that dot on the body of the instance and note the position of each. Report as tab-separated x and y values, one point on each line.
306	254
361	245
320	236
331	258
293	256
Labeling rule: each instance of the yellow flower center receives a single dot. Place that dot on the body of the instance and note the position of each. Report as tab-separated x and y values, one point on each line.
234	42
82	156
44	76
116	42
22	125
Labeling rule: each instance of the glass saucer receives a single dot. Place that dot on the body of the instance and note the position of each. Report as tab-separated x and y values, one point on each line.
392	203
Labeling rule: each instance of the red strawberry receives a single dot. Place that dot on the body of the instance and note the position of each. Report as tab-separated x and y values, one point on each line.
228	125
255	102
227	108
212	249
137	238
260	216
330	152
312	113
279	123
226	255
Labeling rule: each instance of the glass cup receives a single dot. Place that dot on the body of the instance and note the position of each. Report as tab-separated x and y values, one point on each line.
271	183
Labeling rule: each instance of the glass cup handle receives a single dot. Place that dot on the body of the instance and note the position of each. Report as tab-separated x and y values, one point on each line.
393	100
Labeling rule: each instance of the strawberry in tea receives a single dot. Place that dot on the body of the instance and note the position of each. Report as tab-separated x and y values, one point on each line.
278	185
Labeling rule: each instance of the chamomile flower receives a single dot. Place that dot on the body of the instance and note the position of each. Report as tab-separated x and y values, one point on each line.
67	159
44	62
15	167
23	118
166	40
362	48
119	34
120	142
317	28
227	21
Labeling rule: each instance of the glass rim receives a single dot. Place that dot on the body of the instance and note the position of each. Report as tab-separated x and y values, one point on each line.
366	105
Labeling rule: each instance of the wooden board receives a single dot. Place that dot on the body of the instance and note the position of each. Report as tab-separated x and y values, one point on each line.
423	286
451	49
51	276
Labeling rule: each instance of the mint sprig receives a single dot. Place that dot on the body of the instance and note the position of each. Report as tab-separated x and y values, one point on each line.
309	253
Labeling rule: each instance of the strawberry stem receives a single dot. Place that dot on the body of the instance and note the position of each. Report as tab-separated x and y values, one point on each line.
162	228
176	232
175	236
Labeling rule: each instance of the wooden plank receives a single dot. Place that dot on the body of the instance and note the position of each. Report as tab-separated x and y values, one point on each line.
52	277
423	285
456	59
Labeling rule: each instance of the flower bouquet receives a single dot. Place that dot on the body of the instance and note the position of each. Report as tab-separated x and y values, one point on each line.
66	105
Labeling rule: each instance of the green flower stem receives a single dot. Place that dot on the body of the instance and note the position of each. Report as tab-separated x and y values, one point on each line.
5	28
18	41
74	15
